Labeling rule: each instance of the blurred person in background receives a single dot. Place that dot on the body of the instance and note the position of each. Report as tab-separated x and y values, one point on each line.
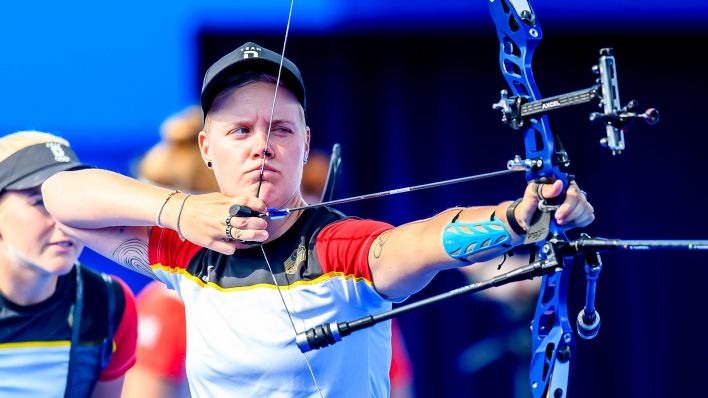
65	330
175	162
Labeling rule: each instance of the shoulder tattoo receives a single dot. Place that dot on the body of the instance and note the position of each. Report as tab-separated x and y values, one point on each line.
379	244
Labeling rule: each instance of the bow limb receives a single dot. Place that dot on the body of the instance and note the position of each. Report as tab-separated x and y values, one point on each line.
553	342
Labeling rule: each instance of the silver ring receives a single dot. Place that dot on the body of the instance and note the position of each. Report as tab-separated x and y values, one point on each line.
228	232
542	202
539	188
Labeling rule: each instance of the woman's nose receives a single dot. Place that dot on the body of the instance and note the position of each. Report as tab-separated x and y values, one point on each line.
261	151
261	147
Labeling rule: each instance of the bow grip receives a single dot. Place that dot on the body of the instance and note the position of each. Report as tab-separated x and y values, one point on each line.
542	223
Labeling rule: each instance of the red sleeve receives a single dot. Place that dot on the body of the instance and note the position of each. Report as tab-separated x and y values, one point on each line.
344	246
166	249
124	339
162	341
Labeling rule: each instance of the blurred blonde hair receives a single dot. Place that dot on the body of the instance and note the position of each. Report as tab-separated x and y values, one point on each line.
12	143
176	161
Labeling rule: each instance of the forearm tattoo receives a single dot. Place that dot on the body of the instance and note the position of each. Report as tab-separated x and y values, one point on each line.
133	254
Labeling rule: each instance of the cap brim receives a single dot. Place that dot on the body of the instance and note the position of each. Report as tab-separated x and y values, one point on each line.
38	177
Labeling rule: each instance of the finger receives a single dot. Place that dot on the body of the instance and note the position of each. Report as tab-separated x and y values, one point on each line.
574	189
524	211
581	216
246	222
551	190
232	233
250	235
224	247
251	202
573	203
569	211
530	193
588	220
572	185
584	220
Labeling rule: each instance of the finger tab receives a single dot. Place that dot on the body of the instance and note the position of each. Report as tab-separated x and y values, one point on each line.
242	211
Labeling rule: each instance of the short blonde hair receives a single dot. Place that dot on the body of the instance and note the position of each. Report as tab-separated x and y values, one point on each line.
14	142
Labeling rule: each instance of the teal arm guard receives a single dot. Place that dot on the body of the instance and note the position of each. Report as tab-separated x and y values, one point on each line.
462	240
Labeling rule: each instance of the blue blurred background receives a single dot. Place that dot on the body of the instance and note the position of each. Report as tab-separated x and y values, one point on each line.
406	88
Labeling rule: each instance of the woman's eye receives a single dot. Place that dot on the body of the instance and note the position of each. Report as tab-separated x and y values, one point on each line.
240	131
282	130
36	200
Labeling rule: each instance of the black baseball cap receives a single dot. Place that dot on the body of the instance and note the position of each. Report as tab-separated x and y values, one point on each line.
250	57
31	166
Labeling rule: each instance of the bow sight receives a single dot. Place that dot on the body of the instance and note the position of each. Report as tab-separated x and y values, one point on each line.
516	110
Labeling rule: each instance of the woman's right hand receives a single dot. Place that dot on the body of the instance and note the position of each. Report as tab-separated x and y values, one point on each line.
203	220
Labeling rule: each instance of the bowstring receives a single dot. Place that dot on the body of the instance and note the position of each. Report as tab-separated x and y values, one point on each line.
260	184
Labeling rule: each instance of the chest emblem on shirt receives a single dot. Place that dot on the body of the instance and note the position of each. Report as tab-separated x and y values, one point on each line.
296	259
